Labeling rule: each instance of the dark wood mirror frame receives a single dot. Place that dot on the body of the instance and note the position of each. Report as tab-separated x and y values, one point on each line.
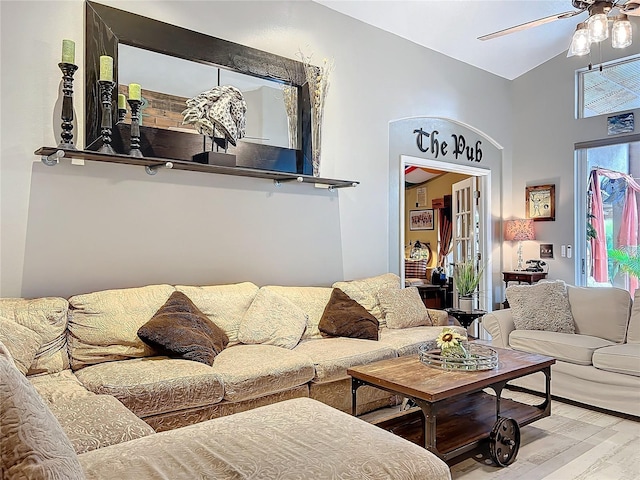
106	27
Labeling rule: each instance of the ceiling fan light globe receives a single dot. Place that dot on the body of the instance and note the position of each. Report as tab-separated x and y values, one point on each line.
581	41
621	34
598	27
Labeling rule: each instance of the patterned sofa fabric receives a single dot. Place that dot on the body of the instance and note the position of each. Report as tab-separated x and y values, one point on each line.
103	326
251	371
312	300
155	385
365	291
333	356
225	305
48	318
60	386
338	395
286	440
405	341
98	421
33	445
183	418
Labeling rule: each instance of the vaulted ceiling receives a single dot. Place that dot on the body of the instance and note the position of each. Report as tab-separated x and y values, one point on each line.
452	27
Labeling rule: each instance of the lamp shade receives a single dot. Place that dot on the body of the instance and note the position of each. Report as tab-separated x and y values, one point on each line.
519	229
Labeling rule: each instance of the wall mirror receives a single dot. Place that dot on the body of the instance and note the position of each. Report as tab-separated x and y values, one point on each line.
172	64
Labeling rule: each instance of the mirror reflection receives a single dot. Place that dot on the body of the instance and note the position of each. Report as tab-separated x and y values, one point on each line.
167	82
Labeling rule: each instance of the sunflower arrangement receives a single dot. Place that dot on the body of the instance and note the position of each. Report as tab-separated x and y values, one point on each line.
450	343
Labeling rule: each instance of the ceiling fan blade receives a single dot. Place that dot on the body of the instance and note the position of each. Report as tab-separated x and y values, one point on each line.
534	23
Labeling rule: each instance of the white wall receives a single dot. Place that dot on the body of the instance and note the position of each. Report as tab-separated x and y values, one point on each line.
545	132
70	229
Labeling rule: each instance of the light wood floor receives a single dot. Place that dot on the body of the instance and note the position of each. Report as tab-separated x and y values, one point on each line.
572	444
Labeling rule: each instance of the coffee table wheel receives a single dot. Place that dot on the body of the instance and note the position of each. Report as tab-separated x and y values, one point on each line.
504	441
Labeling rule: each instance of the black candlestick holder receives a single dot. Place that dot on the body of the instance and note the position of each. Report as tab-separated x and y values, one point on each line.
122	112
68	69
135	128
106	91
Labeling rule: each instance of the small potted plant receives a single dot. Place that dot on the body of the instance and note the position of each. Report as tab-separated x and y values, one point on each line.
466	278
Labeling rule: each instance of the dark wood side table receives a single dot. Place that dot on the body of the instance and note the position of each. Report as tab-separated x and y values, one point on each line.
433	296
465	318
521	276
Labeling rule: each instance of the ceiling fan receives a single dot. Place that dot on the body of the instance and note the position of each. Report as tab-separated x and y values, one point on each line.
594	7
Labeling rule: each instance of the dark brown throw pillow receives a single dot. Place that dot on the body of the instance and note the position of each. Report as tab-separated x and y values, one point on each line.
344	317
180	329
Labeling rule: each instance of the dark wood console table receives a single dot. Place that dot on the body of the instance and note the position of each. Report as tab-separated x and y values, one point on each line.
521	276
434	296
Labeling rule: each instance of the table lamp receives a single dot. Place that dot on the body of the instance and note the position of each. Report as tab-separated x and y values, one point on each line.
519	230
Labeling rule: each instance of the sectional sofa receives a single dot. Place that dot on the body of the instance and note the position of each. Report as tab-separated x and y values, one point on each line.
106	386
269	442
593	332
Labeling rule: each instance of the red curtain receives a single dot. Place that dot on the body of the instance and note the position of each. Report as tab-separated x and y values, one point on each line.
628	233
445	233
598	244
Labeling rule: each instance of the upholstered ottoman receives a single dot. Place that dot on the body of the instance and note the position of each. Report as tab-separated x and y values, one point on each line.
299	438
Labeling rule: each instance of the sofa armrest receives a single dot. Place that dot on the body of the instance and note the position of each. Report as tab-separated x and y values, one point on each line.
439	318
499	324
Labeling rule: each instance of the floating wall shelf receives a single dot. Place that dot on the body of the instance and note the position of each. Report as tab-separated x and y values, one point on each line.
51	155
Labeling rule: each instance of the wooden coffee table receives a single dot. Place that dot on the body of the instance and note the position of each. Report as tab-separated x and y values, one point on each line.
458	415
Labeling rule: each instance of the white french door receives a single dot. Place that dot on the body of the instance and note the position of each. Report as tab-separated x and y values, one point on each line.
467	227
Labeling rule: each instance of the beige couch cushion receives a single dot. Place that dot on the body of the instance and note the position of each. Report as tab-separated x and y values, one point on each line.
633	332
312	300
272	320
365	291
60	386
98	421
22	342
333	356
103	326
619	358
154	385
403	308
250	371
568	347
225	305
406	341
33	445
48	318
543	306
600	311
299	438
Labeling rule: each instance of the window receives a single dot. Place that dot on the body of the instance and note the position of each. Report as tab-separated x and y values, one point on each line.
614	87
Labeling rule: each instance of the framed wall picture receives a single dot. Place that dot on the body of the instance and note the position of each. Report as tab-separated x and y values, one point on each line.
541	202
421	219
